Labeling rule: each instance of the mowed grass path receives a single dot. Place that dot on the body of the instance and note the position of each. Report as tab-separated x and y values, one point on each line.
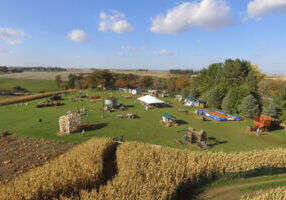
34	86
229	136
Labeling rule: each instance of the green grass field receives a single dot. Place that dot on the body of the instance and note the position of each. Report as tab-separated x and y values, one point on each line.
34	86
227	136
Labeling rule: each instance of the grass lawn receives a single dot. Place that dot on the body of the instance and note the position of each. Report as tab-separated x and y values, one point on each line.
227	136
34	86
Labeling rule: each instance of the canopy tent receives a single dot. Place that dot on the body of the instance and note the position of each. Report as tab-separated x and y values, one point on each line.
148	99
168	116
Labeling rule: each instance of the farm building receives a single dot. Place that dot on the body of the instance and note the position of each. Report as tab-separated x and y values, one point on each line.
149	100
193	102
110	101
69	123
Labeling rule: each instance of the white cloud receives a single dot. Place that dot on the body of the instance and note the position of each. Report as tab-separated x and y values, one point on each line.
207	14
163	52
5	51
128	47
120	54
115	22
11	36
77	35
258	8
144	47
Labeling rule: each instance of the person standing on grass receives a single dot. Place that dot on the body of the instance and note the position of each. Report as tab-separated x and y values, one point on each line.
83	132
257	132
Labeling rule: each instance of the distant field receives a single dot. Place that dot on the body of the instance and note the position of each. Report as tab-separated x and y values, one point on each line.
276	77
223	136
64	74
34	86
43	75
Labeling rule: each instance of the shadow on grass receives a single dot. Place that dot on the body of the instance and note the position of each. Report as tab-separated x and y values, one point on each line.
93	127
181	122
96	126
212	141
191	189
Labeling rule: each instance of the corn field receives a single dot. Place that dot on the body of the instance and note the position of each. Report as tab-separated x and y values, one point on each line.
32	97
80	168
144	172
148	172
274	194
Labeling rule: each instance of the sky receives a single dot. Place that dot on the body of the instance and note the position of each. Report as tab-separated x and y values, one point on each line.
149	34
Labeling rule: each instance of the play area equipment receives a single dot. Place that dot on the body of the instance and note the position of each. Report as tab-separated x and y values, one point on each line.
111	102
97	98
149	101
218	116
193	136
69	123
127	115
169	120
48	103
263	123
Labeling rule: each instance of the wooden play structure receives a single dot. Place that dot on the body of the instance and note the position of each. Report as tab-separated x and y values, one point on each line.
193	136
69	123
263	123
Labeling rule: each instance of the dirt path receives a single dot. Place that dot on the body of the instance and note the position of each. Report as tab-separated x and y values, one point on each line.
228	192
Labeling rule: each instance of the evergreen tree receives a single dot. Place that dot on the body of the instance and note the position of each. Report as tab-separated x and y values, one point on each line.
185	92
234	98
226	104
194	93
273	111
249	107
214	98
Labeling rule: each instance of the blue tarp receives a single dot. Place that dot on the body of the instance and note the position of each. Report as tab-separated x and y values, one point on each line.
228	118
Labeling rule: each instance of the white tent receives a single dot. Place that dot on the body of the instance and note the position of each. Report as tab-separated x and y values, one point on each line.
148	99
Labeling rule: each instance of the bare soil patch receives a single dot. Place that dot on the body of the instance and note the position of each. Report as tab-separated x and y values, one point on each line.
19	155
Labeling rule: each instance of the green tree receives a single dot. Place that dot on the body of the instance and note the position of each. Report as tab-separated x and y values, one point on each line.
226	104
194	93
234	98
249	107
185	92
59	81
102	77
71	81
214	98
272	110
